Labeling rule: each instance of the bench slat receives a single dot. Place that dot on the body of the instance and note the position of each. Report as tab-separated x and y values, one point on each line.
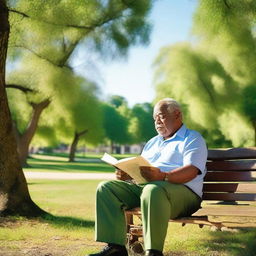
229	196
240	165
232	153
245	211
231	210
230	187
230	176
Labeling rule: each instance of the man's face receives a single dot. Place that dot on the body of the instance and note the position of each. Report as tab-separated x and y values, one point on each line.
166	123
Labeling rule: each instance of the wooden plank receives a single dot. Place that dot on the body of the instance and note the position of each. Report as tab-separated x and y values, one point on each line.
218	224
230	176
237	165
232	153
230	187
231	210
229	196
227	210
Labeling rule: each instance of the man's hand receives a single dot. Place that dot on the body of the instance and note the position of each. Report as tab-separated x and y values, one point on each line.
151	173
121	175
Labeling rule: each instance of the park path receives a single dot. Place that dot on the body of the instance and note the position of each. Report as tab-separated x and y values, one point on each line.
69	176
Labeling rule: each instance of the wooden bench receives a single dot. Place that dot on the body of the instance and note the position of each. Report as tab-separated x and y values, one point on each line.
229	193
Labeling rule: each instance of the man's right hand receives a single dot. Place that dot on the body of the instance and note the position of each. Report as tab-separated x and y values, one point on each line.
121	175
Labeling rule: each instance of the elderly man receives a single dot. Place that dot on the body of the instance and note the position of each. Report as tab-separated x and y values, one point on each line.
174	186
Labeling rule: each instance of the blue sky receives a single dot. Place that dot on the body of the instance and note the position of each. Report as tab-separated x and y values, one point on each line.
133	77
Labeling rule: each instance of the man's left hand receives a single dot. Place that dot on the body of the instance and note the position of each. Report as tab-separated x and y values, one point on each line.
151	173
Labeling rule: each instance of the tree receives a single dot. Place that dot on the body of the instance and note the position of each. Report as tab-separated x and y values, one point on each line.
62	27
199	83
230	37
24	135
115	126
117	101
14	195
142	124
83	116
210	76
122	23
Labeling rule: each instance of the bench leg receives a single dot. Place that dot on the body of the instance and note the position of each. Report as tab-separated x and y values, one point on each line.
134	246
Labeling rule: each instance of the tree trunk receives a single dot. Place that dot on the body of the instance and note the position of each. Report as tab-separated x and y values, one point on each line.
73	147
14	195
24	140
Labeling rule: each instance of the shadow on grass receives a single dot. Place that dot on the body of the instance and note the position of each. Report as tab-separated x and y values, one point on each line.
241	243
66	221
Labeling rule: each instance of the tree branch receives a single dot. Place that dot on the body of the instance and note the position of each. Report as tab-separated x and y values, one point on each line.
20	87
40	56
19	12
82	132
104	19
86	27
227	5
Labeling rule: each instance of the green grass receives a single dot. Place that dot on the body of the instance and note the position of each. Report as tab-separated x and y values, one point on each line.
59	163
69	230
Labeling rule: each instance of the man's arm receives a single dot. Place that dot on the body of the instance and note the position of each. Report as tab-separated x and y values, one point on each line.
179	175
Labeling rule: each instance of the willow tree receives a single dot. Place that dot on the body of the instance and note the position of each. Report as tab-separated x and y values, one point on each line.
35	25
210	76
226	29
199	83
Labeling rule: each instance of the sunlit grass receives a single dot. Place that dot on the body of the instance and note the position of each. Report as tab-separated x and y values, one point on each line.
59	163
69	229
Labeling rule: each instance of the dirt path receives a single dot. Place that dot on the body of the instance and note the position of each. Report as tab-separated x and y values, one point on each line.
69	176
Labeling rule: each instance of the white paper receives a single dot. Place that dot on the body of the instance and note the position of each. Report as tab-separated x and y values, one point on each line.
129	165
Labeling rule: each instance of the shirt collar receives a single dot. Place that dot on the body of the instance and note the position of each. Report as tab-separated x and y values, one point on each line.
180	133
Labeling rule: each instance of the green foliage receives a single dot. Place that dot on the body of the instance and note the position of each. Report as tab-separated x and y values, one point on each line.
211	77
111	25
142	124
46	136
115	125
20	112
117	101
44	36
249	102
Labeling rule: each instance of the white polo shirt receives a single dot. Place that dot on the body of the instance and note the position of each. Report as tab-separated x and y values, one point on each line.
183	148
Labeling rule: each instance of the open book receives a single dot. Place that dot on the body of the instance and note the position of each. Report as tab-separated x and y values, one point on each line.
129	165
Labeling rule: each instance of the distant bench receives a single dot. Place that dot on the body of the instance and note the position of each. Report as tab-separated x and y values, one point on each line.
229	193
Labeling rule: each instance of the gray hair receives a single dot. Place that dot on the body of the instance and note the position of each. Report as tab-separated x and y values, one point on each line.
170	103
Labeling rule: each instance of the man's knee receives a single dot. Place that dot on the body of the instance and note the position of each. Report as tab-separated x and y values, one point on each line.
153	191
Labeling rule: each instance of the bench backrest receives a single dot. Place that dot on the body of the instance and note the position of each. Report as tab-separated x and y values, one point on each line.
231	175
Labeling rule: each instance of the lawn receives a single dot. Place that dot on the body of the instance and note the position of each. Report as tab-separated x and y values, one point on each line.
59	162
70	229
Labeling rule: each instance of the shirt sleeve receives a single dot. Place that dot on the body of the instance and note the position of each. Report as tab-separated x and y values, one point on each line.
195	152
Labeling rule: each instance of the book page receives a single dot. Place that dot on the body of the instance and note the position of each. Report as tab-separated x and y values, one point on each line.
130	165
109	159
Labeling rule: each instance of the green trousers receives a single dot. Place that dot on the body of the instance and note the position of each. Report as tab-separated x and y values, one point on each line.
159	201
